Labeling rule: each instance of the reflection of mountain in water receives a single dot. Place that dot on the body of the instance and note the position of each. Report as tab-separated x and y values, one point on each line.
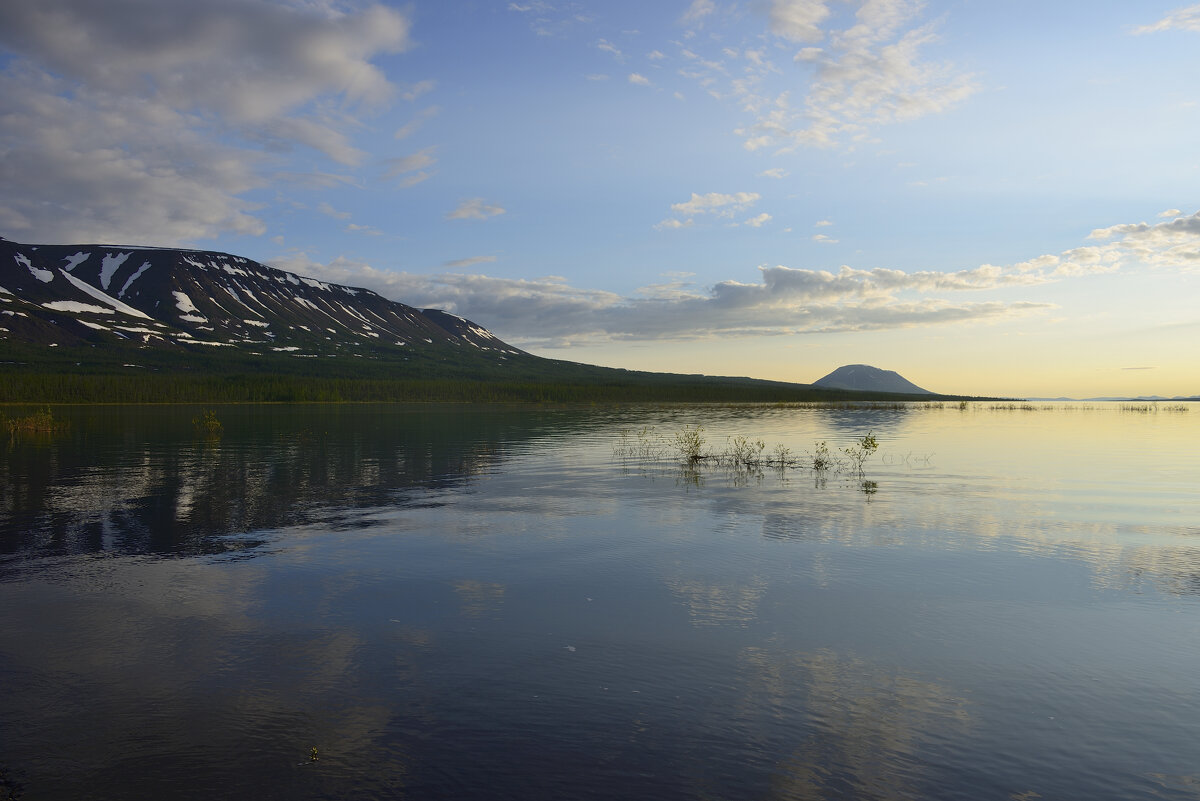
139	480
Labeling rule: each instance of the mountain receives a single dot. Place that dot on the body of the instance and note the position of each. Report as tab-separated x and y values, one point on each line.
106	323
56	295
864	378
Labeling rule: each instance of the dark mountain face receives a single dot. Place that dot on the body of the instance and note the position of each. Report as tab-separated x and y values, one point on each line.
55	295
865	378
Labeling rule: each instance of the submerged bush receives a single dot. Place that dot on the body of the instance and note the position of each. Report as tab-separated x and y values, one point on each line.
690	444
40	422
207	424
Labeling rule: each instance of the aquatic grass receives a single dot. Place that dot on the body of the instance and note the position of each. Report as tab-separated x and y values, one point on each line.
1153	408
689	448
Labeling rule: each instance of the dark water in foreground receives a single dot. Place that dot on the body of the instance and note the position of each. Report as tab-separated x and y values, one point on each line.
474	602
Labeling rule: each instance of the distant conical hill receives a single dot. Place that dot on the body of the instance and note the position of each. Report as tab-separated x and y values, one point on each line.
864	378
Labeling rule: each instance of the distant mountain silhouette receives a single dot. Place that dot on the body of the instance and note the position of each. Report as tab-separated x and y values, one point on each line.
864	378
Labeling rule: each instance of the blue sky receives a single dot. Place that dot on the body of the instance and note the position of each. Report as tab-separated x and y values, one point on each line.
990	198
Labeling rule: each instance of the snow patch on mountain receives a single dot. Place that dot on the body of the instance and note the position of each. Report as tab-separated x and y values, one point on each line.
44	276
109	266
76	307
129	281
88	289
75	260
183	302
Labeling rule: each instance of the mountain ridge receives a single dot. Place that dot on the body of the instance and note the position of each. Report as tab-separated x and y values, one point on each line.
181	298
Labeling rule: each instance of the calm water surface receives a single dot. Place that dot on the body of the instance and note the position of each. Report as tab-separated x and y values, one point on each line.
484	602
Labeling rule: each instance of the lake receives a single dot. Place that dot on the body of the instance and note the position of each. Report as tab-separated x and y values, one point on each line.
468	602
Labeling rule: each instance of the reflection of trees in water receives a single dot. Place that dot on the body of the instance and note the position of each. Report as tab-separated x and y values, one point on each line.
868	727
129	485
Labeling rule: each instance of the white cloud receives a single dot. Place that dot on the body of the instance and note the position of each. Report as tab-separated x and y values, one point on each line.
1175	243
824	239
655	55
146	120
759	221
798	20
774	172
475	209
672	224
1184	19
640	80
822	224
1170	213
716	203
78	166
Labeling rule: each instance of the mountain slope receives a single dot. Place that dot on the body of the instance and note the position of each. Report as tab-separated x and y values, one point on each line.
864	378
158	298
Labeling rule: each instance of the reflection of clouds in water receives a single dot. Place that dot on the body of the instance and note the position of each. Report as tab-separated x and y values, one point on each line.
477	598
723	604
143	651
908	513
869	726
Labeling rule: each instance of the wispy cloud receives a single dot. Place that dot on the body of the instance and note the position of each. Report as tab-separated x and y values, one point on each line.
475	208
842	82
413	91
550	312
610	48
469	261
330	211
411	169
697	11
412	126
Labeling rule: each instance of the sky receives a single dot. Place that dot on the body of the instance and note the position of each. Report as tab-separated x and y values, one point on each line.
991	198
